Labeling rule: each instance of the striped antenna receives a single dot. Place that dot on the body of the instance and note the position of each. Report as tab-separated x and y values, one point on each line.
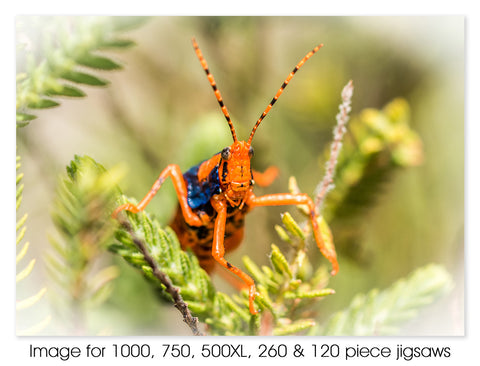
203	62
280	91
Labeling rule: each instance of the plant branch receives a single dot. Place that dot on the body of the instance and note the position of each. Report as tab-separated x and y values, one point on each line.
179	303
342	118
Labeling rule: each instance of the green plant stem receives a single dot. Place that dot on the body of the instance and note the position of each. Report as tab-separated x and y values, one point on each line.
179	303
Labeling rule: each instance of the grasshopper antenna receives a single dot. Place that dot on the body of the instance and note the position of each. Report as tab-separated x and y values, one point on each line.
203	62
280	91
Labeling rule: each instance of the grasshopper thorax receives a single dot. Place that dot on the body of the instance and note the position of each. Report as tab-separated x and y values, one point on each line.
235	173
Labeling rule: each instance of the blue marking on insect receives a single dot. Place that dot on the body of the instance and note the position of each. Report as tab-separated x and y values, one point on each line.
200	192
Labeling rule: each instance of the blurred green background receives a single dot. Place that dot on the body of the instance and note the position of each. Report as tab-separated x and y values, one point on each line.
160	110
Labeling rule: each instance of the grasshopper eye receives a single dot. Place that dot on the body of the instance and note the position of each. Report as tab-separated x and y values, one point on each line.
226	155
251	152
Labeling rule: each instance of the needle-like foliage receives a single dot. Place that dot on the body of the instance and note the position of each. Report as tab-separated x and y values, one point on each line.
81	214
384	312
23	274
70	54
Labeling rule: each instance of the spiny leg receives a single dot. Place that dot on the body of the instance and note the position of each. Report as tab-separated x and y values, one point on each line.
218	249
298	199
173	171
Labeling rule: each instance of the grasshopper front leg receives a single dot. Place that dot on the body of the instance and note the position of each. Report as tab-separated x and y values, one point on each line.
219	203
173	171
298	199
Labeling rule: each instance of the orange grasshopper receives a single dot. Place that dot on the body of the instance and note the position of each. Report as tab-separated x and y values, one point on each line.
215	195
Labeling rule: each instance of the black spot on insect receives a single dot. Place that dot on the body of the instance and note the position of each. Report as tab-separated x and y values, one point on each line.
202	232
229	265
224	171
231	209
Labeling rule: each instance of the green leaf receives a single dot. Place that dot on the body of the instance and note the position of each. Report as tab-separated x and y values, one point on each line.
282	233
19	178
30	301
279	262
24	117
22	124
309	294
26	271
21	234
21	222
67	91
116	43
84	78
100	296
42	103
98	62
197	307
293	328
22	252
292	226
264	300
259	276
